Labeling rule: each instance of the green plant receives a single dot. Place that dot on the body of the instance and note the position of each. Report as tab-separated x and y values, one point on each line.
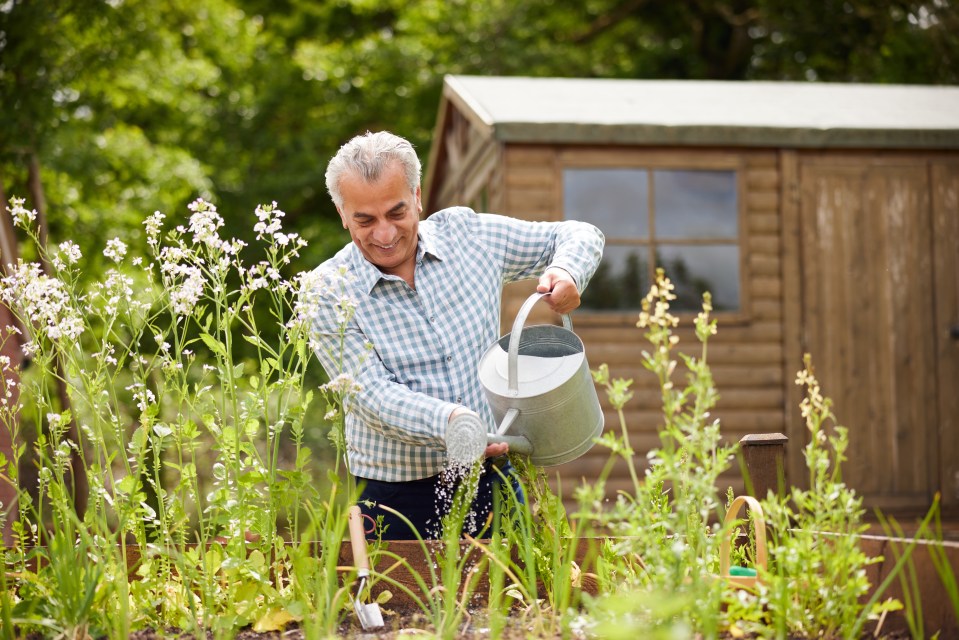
667	526
175	409
818	581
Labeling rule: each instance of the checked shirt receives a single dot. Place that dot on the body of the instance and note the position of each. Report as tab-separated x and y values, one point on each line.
427	342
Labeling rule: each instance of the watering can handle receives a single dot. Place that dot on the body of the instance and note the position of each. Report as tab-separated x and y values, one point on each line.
512	362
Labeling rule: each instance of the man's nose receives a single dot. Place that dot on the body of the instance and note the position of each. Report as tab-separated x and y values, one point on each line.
384	232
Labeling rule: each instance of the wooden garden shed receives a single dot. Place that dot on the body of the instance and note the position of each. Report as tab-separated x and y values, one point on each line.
824	219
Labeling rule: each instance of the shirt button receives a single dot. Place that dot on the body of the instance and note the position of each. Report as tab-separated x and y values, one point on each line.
432	318
448	358
459	399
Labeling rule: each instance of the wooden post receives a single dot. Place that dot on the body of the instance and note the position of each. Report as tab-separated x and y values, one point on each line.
762	459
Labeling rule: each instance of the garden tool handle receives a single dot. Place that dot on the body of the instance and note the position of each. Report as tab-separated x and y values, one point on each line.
759	532
358	541
513	353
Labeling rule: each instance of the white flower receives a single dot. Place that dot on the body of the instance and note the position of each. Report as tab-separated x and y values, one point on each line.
269	220
185	295
71	252
21	216
116	249
204	223
44	301
143	396
343	384
154	224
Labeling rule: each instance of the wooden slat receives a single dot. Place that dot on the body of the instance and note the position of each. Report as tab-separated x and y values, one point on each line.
539	176
763	159
767	309
762	222
525	155
727	377
766	288
762	201
765	265
764	245
481	172
719	353
752	332
529	204
762	179
945	208
652	158
736	423
794	428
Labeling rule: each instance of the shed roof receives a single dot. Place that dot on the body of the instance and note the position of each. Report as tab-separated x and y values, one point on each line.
687	112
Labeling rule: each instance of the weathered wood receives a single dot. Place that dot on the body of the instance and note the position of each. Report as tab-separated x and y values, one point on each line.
945	211
762	178
762	201
766	287
762	222
763	244
650	158
765	265
762	456
794	427
867	296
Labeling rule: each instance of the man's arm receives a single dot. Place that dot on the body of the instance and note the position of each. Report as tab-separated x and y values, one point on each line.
380	402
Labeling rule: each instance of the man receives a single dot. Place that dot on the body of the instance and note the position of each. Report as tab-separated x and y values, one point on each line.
426	296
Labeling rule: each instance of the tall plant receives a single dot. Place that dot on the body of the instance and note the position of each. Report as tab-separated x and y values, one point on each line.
182	438
665	527
820	568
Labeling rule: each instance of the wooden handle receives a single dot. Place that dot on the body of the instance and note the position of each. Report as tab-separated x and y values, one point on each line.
358	540
759	526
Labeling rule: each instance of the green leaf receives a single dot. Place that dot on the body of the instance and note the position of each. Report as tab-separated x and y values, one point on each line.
213	344
273	620
126	484
162	430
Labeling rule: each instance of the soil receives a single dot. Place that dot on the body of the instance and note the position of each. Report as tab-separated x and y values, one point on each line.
405	625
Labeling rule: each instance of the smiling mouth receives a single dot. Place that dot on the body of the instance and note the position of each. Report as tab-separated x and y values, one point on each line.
387	247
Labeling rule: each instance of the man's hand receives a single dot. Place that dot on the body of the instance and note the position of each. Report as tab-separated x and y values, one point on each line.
496	449
564	296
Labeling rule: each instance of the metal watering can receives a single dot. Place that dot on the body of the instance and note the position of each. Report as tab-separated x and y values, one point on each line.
541	392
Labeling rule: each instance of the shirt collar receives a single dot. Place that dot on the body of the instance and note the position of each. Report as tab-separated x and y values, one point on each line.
368	275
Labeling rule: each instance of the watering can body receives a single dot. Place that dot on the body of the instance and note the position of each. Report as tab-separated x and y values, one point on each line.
539	386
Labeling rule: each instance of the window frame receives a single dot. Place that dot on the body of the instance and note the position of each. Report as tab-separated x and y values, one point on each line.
651	160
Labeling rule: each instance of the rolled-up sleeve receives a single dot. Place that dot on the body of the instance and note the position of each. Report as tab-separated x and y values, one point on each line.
528	248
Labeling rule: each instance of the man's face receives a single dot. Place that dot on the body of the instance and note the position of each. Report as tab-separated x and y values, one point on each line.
383	218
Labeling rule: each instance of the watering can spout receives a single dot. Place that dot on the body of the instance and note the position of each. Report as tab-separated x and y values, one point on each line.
517	444
467	439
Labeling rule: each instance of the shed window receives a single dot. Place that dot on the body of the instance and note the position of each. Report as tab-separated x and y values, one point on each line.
685	221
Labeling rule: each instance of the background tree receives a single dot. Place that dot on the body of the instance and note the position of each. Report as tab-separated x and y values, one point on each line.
112	109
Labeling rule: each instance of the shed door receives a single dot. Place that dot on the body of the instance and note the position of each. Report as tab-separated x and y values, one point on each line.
874	261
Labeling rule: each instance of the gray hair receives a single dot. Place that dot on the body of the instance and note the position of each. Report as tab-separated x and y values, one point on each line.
366	156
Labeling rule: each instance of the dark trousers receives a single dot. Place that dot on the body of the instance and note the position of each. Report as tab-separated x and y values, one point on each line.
425	502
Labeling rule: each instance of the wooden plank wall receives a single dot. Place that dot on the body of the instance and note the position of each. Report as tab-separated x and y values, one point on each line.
747	354
869	297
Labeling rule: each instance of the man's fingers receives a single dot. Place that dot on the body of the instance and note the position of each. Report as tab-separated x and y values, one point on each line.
496	449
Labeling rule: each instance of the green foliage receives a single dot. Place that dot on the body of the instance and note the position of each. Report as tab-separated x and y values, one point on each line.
820	569
665	526
180	441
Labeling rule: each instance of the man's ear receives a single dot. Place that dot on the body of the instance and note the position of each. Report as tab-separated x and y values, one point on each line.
419	200
342	217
